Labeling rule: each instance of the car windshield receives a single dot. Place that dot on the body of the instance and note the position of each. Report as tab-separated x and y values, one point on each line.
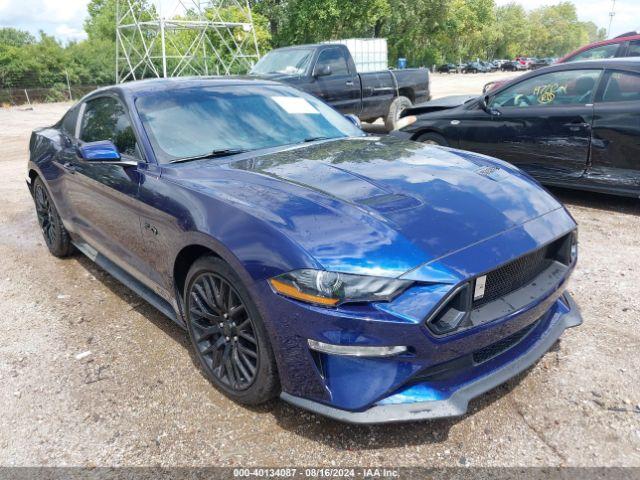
199	121
293	61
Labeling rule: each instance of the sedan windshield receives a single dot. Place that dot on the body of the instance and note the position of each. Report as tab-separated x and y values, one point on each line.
292	61
220	120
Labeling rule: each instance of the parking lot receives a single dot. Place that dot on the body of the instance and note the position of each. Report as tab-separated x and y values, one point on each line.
92	375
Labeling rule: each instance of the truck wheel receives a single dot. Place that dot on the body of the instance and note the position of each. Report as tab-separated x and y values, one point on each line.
396	108
431	138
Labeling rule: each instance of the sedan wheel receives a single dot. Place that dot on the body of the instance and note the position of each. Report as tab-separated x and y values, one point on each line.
55	235
432	138
228	333
223	331
46	218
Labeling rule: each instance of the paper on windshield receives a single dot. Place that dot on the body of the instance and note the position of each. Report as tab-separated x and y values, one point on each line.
295	105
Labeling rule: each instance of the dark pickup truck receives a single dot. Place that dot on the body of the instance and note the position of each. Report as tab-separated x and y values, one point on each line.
328	71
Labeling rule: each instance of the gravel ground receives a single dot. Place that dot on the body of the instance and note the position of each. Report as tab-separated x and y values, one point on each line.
138	399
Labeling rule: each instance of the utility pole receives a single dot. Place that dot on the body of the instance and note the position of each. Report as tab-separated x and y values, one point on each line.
612	14
68	85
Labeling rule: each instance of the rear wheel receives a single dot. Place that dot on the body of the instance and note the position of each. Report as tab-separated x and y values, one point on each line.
227	333
432	138
55	235
399	105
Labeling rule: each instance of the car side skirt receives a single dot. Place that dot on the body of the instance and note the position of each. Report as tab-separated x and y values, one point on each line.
129	281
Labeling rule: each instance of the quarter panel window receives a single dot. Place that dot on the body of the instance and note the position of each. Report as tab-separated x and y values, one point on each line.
575	87
70	121
604	51
105	118
335	59
622	87
634	49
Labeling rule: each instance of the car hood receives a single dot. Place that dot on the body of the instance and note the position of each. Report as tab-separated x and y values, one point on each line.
443	103
276	76
378	205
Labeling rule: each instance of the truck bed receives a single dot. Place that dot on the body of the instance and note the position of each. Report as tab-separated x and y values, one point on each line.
380	88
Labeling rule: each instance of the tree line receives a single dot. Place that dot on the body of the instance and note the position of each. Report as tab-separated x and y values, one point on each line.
426	32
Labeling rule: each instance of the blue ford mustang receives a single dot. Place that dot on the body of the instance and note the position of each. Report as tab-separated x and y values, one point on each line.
367	279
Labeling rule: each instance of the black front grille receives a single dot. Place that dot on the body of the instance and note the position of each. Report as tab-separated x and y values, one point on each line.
515	274
495	349
460	311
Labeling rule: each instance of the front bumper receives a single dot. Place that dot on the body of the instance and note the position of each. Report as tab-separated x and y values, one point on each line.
565	315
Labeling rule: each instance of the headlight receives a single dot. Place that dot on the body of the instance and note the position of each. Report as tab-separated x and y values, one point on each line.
406	121
331	288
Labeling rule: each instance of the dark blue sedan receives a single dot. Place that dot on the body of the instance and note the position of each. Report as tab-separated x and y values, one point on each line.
367	279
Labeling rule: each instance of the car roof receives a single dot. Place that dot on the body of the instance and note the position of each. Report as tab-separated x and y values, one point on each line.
610	41
309	45
142	87
628	63
622	63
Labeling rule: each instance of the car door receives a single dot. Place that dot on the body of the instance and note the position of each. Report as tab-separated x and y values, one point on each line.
615	148
103	198
542	124
341	86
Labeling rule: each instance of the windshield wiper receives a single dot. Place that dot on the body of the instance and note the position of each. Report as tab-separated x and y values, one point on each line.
225	152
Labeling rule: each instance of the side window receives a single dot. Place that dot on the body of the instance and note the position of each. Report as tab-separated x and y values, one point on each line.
622	87
334	57
604	51
634	49
105	118
574	87
69	122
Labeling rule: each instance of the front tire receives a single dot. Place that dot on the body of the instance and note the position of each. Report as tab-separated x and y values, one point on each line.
228	334
399	105
55	235
432	138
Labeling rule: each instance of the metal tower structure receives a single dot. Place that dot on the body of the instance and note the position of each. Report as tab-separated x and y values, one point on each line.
612	14
170	38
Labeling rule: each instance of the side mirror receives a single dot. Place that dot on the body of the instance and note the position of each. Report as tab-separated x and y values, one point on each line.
322	71
104	152
353	119
99	152
484	105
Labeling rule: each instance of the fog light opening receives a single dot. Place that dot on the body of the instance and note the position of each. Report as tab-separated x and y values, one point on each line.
356	350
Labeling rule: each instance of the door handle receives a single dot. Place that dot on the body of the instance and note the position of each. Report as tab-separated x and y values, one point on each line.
350	83
577	125
69	167
151	228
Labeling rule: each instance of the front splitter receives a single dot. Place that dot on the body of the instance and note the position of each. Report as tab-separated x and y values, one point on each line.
457	404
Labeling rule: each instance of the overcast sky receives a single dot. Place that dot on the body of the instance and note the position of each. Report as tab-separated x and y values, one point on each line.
64	18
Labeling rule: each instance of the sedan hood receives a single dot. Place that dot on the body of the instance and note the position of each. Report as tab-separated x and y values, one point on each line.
381	205
444	103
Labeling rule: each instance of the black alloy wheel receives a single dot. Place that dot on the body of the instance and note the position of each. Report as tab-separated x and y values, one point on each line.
228	333
55	235
46	218
223	331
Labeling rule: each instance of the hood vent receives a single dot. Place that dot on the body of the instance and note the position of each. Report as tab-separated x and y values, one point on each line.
487	171
390	202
